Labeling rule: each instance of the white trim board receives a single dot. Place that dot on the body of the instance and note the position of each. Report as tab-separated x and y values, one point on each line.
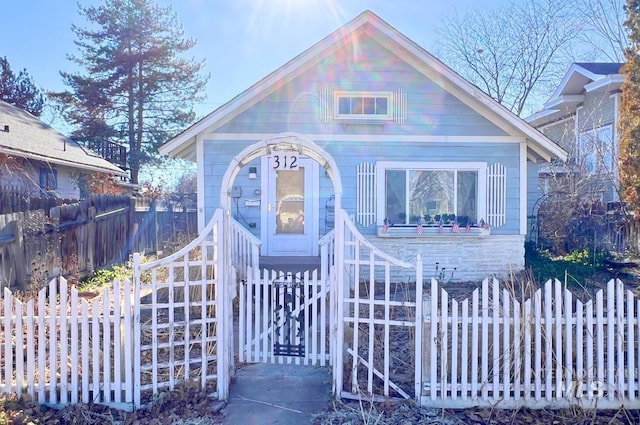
251	137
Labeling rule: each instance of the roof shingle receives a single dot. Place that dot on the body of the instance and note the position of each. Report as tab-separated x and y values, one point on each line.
24	135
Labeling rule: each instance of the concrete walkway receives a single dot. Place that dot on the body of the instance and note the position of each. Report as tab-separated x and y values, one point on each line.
265	394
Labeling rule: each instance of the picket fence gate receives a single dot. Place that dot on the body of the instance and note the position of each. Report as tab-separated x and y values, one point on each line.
283	318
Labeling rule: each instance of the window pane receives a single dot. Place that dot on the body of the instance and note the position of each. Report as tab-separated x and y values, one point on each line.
381	106
467	204
344	105
395	183
606	146
431	193
369	105
587	152
357	106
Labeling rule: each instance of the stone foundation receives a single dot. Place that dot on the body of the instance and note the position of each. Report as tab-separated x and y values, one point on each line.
458	258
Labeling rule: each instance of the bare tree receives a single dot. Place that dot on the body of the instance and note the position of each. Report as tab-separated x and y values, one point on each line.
513	53
603	34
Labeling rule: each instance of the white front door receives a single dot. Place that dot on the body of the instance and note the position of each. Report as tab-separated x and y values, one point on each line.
290	214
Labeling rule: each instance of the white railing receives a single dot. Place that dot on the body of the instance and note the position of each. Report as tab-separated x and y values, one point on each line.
245	249
181	334
551	349
327	251
375	323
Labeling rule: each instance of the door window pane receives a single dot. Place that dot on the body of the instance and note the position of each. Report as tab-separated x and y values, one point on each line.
290	201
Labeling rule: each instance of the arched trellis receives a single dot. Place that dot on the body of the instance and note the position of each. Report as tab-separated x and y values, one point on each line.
285	142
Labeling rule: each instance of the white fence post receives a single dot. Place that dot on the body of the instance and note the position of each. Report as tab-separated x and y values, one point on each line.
418	332
136	331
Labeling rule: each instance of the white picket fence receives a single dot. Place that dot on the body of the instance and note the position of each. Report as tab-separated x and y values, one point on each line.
551	349
385	338
62	348
494	348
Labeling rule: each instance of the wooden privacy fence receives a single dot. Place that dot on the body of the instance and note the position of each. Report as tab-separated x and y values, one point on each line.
69	240
73	240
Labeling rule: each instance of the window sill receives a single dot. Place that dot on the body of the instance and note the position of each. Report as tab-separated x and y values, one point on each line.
363	121
411	232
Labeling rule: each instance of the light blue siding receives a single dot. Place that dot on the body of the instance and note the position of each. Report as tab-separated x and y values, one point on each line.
296	106
347	156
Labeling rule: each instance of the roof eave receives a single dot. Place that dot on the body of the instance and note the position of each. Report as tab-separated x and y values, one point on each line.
247	98
612	82
115	170
573	69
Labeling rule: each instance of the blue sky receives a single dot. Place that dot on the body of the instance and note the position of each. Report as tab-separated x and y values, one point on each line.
241	40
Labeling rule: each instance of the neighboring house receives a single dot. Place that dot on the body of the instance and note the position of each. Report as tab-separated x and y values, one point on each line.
38	160
581	116
410	137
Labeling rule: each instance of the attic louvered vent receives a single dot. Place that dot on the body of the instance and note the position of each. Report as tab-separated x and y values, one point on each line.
326	96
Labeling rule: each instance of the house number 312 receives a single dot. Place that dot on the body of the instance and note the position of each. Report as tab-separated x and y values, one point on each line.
284	161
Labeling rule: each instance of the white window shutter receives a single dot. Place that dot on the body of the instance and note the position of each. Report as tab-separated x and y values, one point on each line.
366	194
496	195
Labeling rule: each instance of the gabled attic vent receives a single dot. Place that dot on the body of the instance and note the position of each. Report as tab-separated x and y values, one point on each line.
6	129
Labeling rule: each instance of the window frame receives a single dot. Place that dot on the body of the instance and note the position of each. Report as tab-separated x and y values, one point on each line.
383	166
337	95
596	160
48	179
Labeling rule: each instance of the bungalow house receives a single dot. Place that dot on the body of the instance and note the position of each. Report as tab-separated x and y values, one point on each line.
581	116
38	160
427	163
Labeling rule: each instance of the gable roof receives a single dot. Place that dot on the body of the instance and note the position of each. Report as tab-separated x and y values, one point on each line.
579	79
581	74
601	68
23	135
540	147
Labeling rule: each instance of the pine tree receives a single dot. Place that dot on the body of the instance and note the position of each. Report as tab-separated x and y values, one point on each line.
629	120
20	90
137	89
